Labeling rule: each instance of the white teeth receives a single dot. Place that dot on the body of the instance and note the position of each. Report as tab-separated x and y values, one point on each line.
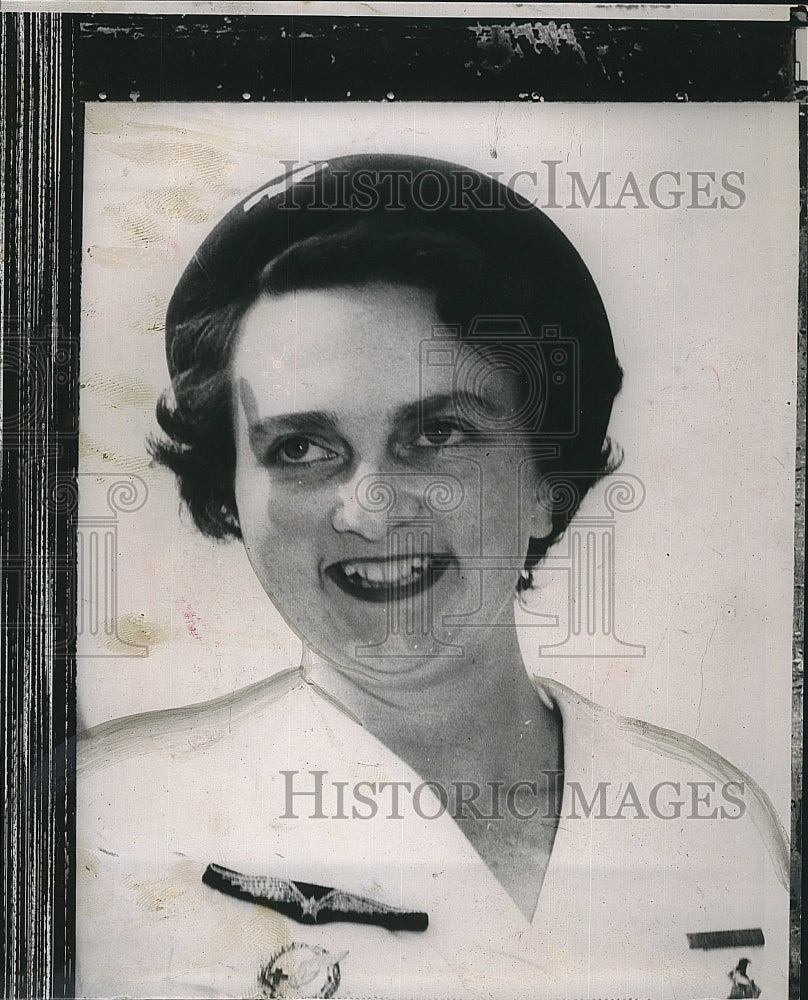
391	571
375	572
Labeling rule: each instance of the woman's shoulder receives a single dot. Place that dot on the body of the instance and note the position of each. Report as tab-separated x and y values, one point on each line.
168	776
658	827
146	765
666	776
188	729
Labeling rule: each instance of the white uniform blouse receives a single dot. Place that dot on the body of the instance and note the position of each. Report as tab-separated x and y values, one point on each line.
659	841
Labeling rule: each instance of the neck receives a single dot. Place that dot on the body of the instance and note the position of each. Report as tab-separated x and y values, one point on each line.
473	717
470	724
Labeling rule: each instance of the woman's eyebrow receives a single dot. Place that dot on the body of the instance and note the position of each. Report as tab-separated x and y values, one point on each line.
259	428
462	401
310	421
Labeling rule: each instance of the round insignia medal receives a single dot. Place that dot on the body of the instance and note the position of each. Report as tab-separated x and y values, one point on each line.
300	970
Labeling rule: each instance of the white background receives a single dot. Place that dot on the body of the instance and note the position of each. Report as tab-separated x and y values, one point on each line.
702	305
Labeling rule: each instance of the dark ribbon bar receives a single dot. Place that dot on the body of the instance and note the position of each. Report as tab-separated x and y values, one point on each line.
751	937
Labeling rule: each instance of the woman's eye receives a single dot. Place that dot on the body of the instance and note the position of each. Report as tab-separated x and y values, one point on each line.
440	434
299	450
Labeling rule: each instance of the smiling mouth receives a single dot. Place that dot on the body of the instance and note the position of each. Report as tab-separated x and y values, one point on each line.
380	580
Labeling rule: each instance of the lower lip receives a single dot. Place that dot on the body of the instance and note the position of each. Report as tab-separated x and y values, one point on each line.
385	593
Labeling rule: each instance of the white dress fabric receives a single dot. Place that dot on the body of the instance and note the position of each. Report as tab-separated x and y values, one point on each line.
163	795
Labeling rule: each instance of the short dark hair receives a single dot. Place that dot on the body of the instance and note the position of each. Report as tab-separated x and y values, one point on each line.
469	279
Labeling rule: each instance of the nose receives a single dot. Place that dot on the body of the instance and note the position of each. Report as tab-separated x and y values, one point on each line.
366	503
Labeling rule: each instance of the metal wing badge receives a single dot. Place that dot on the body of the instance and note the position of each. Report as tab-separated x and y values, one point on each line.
312	904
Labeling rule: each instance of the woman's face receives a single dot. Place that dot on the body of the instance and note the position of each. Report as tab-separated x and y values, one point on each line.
381	507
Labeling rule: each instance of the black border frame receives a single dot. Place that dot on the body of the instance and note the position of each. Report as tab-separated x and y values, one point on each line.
54	62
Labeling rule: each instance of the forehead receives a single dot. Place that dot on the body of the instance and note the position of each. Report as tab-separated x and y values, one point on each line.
321	349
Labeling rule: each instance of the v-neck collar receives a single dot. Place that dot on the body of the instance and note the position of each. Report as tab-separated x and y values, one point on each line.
574	712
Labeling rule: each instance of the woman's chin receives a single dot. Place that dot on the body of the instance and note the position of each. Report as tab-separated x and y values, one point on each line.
385	655
379	652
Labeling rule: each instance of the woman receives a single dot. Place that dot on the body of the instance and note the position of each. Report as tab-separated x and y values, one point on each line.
392	379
